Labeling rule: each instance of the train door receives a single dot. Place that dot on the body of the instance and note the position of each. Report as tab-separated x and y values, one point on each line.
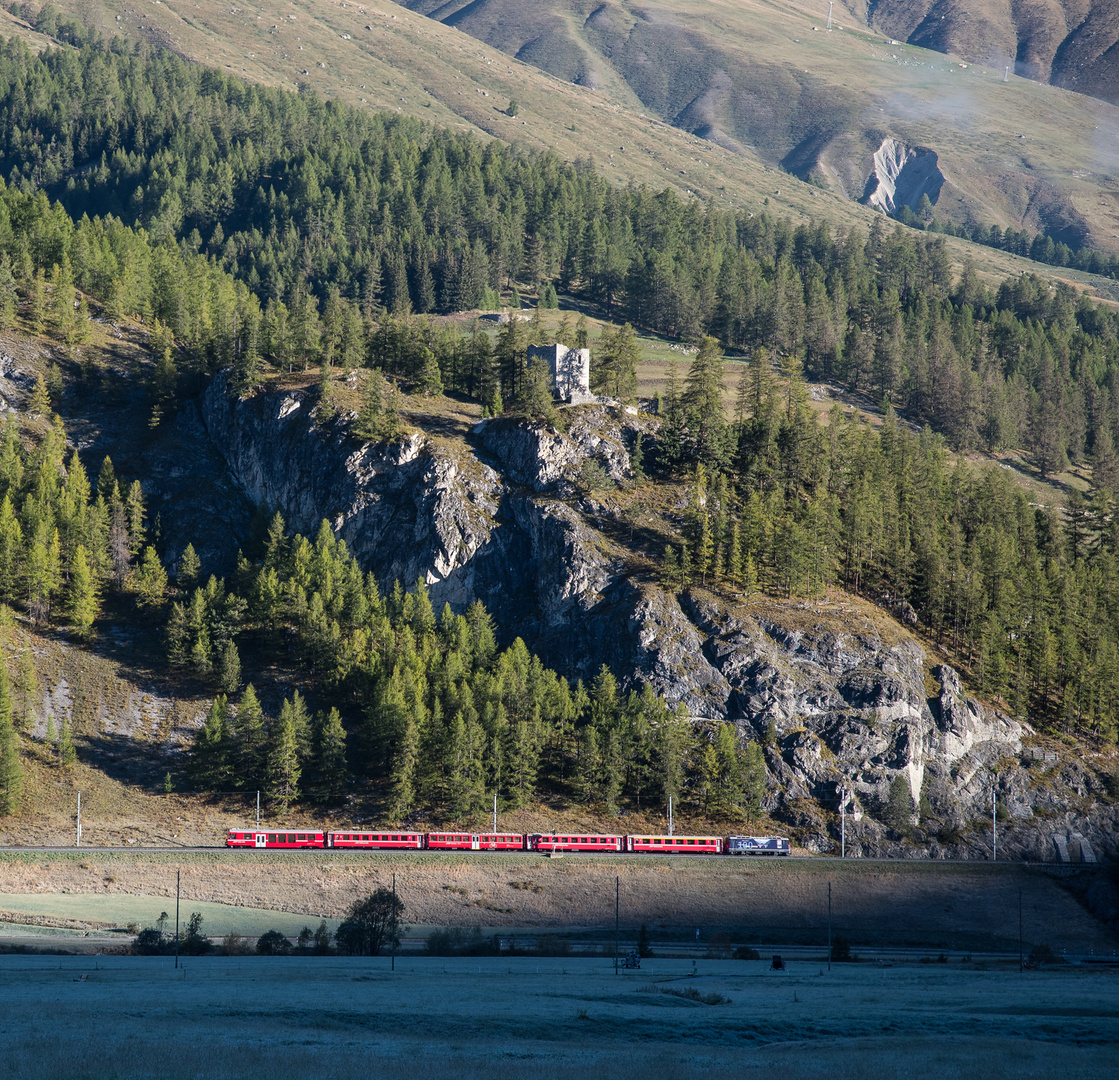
475	845
260	839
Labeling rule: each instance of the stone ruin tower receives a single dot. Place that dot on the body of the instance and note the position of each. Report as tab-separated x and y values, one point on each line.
570	368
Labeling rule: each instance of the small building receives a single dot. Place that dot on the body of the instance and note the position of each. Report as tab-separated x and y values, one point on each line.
570	370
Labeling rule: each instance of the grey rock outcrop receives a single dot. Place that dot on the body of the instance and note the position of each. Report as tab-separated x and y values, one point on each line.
900	175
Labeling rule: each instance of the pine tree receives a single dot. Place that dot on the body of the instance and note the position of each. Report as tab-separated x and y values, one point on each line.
189	570
670	569
294	711
283	764
151	580
735	567
210	758
229	668
81	598
40	404
402	776
67	755
368	424
429	381
329	757
704	402
637	461
11	551
753	779
11	771
588	765
249	756
704	547
162	392
134	517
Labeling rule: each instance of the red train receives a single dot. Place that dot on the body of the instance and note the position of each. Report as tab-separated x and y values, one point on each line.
366	840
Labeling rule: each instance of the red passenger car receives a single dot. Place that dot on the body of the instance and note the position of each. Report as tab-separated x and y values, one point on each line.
555	842
390	840
501	842
452	841
442	841
676	845
252	839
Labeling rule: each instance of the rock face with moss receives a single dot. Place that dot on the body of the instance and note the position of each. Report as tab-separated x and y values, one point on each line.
844	699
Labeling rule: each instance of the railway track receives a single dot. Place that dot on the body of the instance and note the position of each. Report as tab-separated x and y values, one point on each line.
607	856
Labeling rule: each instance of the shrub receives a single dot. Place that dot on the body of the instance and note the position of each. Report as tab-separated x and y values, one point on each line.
369	924
149	942
273	943
194	943
841	951
898	812
719	948
233	944
745	952
592	477
1043	954
550	945
455	941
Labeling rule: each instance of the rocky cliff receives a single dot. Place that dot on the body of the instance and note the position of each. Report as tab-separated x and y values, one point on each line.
844	699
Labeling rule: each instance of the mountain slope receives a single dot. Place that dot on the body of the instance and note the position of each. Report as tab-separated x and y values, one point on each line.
766	76
1070	44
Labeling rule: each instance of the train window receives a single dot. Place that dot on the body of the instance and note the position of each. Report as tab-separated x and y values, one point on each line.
272	838
301	836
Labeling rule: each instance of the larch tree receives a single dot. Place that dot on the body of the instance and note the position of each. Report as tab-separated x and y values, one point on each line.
249	765
81	596
11	771
329	757
283	764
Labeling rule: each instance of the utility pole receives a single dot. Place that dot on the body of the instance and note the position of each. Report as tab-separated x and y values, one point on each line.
670	815
994	826
495	811
617	924
258	811
393	922
78	836
831	4
178	876
829	926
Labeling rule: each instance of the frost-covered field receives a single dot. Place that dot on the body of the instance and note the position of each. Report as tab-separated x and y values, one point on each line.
461	1019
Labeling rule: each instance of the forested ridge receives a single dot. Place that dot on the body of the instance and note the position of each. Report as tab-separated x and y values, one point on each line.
265	231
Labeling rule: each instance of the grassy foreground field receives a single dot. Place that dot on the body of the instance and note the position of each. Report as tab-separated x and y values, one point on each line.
937	906
496	1018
